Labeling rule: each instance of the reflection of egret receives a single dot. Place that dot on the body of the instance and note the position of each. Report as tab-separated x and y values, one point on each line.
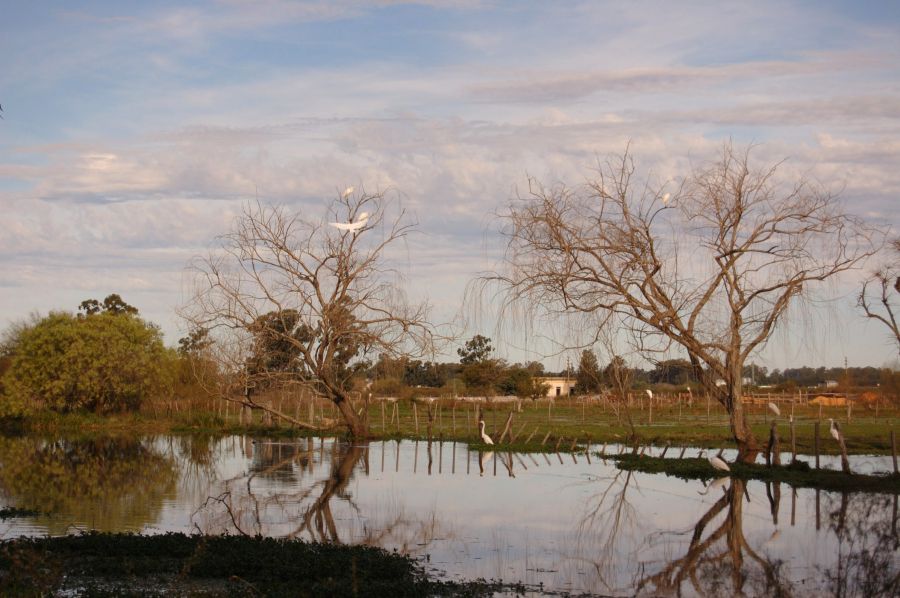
834	431
484	437
715	484
484	458
352	226
774	409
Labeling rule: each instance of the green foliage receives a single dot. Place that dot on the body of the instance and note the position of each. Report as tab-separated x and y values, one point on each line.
113	304
673	371
285	347
589	376
424	373
195	342
104	362
477	350
482	377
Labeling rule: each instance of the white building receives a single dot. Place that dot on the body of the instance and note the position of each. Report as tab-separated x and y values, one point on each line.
558	386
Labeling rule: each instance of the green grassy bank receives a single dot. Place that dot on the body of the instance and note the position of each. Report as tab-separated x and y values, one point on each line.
538	426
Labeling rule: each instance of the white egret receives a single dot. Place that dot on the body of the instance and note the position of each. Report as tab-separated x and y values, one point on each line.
774	409
360	222
834	431
347	192
665	198
718	463
484	437
649	393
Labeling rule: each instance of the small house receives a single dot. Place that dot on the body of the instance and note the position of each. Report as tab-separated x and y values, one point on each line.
558	386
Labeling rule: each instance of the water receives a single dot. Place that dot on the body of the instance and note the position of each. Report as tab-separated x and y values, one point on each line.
561	522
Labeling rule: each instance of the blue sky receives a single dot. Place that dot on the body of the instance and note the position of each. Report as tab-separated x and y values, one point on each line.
132	132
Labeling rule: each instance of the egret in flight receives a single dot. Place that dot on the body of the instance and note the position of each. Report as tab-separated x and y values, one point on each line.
352	226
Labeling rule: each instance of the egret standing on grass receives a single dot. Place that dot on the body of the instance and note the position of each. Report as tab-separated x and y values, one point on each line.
834	431
718	463
649	393
484	437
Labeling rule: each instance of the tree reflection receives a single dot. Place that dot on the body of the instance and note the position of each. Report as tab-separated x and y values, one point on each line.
611	516
307	507
866	530
106	484
715	562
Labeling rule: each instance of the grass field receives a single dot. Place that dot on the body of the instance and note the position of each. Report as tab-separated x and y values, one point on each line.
565	420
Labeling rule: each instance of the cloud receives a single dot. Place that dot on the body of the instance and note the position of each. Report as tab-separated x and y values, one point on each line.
553	87
149	126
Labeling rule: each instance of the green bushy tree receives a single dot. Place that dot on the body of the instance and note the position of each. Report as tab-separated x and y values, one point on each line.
106	362
589	376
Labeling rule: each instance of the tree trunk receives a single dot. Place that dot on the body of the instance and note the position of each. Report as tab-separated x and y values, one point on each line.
355	424
748	446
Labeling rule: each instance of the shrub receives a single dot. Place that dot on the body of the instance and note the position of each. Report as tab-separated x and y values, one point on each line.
104	362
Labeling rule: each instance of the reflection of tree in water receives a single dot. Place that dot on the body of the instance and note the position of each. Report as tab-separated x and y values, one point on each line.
610	516
716	561
305	508
106	484
196	456
866	530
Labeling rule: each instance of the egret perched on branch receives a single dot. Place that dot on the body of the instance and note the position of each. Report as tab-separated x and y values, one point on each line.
347	192
774	409
665	198
834	431
352	226
484	437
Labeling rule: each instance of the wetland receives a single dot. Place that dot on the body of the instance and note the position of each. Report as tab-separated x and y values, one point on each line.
542	523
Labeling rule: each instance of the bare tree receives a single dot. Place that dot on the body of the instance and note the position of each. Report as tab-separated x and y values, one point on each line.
300	300
711	268
879	294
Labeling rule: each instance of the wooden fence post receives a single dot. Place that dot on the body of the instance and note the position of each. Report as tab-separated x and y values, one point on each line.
894	451
816	444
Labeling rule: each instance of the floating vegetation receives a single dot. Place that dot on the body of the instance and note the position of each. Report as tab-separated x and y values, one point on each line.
14	512
798	474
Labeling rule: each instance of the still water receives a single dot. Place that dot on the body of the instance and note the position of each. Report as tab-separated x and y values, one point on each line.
565	522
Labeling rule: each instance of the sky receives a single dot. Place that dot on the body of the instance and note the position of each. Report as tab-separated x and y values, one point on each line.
133	132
